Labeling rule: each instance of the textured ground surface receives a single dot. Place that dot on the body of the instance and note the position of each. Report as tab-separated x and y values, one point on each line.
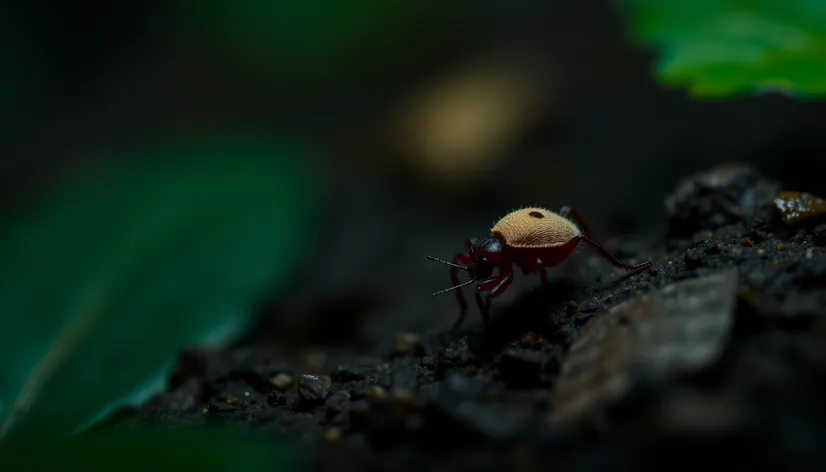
719	349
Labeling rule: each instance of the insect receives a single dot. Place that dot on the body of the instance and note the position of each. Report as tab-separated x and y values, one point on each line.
530	238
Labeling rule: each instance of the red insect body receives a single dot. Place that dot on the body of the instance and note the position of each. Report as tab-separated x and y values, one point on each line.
532	239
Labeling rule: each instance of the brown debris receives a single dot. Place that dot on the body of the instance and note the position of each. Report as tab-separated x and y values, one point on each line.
678	329
795	207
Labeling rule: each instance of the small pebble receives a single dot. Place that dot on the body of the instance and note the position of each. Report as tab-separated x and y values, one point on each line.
231	400
530	340
572	307
693	258
746	242
276	398
338	402
407	343
281	381
428	362
314	388
761	252
715	249
403	394
375	391
758	235
333	434
780	247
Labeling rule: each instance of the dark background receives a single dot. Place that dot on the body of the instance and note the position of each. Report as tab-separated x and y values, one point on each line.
591	129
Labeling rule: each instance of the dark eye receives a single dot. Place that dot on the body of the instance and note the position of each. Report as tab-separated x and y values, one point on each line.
536	214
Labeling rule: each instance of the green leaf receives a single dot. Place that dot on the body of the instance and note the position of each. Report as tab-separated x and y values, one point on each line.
722	48
106	278
312	38
143	450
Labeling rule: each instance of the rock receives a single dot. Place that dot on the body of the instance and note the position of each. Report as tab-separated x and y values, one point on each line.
221	409
522	368
694	258
349	373
375	391
795	207
276	398
459	412
314	389
461	385
408	344
281	381
724	195
337	403
677	330
530	340
456	354
405	378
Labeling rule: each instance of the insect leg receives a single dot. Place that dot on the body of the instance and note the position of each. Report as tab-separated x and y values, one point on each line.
482	309
543	277
613	260
543	287
460	297
501	284
589	238
575	215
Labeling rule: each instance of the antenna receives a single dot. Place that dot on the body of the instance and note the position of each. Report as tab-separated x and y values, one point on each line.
447	263
458	266
454	288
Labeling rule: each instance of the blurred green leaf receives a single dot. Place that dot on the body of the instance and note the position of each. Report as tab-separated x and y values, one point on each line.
720	48
317	38
144	450
107	278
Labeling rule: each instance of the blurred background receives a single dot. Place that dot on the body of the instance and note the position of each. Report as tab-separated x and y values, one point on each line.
372	134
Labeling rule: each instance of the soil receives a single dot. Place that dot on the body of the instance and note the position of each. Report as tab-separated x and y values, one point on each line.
717	351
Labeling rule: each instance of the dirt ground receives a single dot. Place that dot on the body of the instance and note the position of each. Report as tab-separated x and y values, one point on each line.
717	351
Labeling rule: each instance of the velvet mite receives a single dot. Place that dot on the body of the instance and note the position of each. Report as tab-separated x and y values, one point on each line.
530	238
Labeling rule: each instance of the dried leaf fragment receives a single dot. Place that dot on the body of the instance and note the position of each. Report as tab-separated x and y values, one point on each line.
676	330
